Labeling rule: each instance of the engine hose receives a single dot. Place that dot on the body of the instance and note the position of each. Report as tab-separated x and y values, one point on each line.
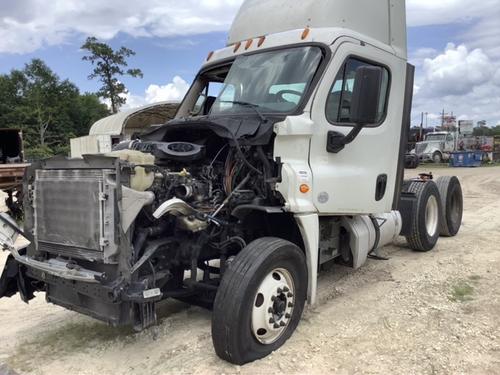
242	156
240	185
265	162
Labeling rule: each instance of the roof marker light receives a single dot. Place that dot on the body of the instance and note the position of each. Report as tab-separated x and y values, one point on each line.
249	43
305	33
210	54
262	39
237	47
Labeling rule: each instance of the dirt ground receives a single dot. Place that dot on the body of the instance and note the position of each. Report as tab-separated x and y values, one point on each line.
417	313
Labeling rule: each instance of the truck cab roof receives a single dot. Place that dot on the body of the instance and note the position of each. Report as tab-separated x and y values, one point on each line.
267	24
381	20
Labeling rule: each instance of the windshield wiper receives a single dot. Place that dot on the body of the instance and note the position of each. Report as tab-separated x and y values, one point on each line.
255	107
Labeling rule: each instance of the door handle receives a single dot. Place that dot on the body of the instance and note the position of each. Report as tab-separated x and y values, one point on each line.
380	187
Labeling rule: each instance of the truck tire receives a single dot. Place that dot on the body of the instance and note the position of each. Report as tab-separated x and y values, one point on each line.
426	222
437	157
260	300
452	202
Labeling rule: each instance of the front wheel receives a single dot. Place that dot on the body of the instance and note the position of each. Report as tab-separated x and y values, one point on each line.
260	300
437	157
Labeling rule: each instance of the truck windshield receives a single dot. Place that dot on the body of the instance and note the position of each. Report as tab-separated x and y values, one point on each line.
269	82
435	137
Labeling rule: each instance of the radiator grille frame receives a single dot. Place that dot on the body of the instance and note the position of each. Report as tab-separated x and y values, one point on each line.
74	213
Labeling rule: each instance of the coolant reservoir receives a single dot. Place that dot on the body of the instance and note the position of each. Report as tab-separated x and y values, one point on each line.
141	180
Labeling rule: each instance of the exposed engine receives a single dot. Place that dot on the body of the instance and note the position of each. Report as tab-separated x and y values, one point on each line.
199	185
134	221
212	179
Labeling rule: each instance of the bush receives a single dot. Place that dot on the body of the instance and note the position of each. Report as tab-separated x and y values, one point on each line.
38	153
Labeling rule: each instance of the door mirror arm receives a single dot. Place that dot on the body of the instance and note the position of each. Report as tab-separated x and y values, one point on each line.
337	141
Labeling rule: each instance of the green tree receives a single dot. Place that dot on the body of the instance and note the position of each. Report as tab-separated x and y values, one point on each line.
89	110
47	109
482	131
109	65
47	100
12	97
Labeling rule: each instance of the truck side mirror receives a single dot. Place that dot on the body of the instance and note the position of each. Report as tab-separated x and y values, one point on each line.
366	95
365	102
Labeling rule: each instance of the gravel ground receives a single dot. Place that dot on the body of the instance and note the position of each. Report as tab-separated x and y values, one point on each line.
432	313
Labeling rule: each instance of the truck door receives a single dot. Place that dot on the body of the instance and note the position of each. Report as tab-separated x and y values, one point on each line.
450	143
361	178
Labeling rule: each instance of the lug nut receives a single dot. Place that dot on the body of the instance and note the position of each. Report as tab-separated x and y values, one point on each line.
273	298
270	310
290	304
282	324
271	321
285	289
289	295
287	315
276	325
280	291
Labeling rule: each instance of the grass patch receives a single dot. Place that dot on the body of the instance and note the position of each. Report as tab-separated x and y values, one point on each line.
462	291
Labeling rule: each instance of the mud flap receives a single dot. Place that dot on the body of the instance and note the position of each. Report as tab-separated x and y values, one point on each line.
14	279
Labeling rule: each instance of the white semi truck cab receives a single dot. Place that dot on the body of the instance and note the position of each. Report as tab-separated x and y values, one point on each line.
436	147
285	155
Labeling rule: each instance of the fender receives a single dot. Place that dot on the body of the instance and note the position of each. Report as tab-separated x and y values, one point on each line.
309	228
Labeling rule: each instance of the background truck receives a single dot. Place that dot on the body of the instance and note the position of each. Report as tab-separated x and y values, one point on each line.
12	168
436	147
286	154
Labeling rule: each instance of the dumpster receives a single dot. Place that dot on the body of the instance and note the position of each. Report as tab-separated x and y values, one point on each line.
466	158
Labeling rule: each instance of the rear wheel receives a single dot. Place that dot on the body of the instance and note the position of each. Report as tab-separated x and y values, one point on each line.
426	223
450	191
260	300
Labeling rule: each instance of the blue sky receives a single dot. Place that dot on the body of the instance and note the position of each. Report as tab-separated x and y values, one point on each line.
454	45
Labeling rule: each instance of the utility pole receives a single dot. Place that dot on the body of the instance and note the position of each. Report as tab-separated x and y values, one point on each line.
421	127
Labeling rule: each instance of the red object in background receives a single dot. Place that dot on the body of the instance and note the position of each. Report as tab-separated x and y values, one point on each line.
486	148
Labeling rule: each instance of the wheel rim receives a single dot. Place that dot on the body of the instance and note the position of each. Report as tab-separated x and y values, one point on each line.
431	216
273	306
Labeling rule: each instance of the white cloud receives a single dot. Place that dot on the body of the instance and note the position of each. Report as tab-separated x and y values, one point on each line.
457	71
478	22
459	80
27	25
173	91
432	12
418	56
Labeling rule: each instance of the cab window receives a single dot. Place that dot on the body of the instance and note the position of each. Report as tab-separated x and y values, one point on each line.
338	105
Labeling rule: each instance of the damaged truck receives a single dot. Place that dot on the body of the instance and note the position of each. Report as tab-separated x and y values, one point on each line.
286	154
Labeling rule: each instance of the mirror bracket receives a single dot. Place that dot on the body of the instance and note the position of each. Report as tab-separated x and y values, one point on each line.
336	141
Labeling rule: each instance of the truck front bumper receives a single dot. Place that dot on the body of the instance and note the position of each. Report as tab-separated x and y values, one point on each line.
58	268
115	302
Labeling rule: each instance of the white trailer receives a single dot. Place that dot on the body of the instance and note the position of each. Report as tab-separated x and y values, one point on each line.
122	126
287	153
